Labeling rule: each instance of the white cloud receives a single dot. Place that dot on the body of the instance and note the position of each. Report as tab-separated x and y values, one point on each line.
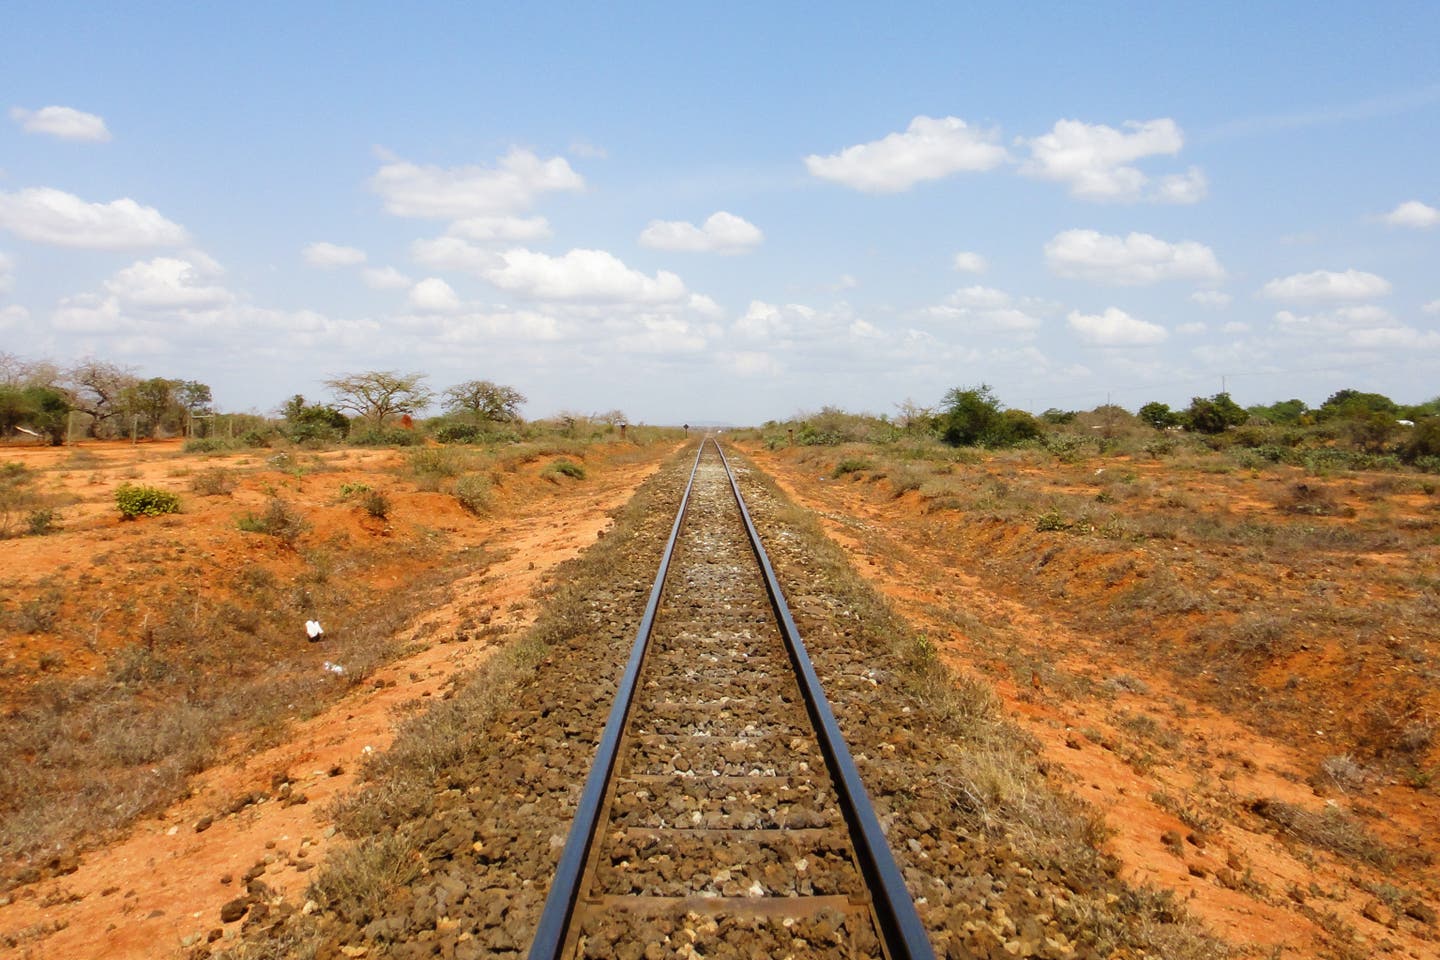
501	229
1327	285
588	150
580	275
87	313
433	295
1096	160
1138	258
13	315
1236	326
1211	298
1364	326
7	274
928	150
1433	307
324	254
1115	328
384	278
169	283
46	215
722	232
453	253
753	364
985	308
1182	188
1191	328
412	190
967	262
67	123
1413	213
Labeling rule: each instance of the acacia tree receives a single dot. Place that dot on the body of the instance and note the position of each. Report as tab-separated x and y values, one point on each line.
378	395
98	389
484	400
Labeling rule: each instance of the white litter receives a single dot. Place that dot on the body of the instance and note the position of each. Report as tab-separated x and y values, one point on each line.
313	628
334	668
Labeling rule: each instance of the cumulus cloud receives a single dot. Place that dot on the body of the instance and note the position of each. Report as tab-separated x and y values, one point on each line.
1115	328
66	123
46	215
7	274
453	253
13	315
722	232
1097	161
1363	326
454	193
1413	213
1135	259
986	308
1433	307
433	295
169	283
501	229
324	254
753	364
1327	285
929	149
580	275
1211	298
967	262
1191	328
384	278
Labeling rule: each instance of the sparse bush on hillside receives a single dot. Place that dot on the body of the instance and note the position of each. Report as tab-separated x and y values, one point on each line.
563	468
142	501
472	491
213	482
280	520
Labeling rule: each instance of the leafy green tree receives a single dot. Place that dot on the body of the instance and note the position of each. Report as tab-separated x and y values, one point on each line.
1214	414
313	421
1058	417
1158	415
484	400
1347	404
1286	413
1422	440
378	395
154	402
974	417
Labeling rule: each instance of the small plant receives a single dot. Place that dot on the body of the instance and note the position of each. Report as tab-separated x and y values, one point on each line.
564	468
1052	520
42	521
140	501
348	490
213	482
472	491
375	503
280	520
850	466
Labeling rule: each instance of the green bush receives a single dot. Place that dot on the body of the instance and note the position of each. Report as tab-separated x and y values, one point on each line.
137	501
472	491
42	521
376	503
851	466
280	520
374	437
564	468
209	445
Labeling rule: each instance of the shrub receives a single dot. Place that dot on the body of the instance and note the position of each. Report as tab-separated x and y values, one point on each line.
472	491
280	520
458	433
377	437
209	445
564	468
850	466
42	521
139	501
1423	442
214	482
375	503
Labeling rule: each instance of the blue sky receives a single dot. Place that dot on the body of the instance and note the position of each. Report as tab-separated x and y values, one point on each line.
733	212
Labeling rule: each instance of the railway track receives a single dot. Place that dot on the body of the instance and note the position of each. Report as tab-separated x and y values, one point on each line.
724	810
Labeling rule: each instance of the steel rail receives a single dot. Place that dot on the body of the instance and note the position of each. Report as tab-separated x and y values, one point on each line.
900	926
565	889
